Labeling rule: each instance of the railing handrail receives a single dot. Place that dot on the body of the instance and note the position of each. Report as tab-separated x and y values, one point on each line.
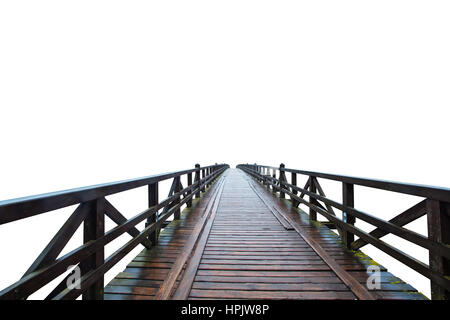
427	191
23	207
93	207
436	206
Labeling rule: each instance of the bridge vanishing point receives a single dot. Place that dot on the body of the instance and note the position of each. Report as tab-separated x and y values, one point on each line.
241	235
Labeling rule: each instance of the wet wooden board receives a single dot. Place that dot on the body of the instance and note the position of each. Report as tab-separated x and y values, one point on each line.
146	273
244	222
249	254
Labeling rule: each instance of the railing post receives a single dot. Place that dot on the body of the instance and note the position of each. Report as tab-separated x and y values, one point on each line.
312	188
274	188
266	178
177	213
209	173
282	178
197	180
348	200
263	178
189	183
295	203
203	177
153	199
94	228
438	217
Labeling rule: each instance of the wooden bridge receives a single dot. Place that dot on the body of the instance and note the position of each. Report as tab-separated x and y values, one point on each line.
240	236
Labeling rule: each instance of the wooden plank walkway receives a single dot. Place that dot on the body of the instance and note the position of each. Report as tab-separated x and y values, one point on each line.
252	251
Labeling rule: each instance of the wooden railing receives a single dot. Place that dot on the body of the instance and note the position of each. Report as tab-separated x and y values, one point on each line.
88	259
436	205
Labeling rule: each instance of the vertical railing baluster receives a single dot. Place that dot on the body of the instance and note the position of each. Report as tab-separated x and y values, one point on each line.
153	200
295	203
177	213
282	178
197	180
189	183
203	177
438	218
263	177
348	200
274	188
94	228
312	188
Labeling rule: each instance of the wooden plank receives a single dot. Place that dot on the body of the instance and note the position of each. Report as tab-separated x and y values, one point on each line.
135	290
167	287
243	294
270	286
135	282
185	285
275	212
205	266
386	295
125	297
267	262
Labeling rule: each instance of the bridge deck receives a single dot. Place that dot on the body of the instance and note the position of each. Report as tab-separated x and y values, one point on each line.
250	251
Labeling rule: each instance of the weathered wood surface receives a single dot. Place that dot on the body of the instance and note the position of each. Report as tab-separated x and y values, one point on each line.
252	253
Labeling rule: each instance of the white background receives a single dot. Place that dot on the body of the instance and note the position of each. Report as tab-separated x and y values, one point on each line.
98	91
